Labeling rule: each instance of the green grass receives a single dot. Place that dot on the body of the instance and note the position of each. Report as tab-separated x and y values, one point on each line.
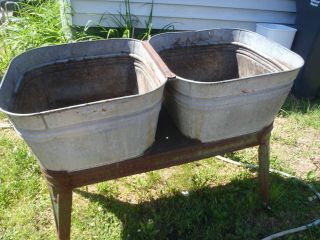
2	116
37	24
204	200
305	112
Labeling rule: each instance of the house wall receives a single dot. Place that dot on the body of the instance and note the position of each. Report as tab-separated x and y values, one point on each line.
186	14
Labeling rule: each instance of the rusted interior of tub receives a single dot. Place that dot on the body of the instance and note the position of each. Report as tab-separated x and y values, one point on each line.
213	63
76	82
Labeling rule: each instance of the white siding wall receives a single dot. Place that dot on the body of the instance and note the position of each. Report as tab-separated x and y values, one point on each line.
187	14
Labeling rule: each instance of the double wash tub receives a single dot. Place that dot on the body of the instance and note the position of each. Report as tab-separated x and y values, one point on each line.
88	104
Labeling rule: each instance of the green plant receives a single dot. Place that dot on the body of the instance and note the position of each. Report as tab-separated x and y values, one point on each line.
36	24
127	22
33	26
125	25
148	24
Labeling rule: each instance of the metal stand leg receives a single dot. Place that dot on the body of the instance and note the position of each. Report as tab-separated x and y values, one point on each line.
264	165
62	205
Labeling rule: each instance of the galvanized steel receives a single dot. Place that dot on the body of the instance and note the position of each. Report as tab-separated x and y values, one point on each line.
85	104
229	82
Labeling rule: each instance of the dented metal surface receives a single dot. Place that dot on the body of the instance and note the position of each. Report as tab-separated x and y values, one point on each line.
229	82
86	104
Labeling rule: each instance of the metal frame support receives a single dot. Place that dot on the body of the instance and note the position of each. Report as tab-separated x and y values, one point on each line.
159	156
62	206
264	166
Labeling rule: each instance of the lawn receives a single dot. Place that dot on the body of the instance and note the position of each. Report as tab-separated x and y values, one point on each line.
208	199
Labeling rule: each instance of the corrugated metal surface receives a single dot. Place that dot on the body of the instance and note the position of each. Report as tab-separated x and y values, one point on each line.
188	14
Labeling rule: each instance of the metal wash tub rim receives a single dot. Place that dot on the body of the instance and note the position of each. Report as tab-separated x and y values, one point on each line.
162	66
158	61
283	68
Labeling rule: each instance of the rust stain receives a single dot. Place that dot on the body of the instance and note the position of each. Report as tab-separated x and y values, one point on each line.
245	91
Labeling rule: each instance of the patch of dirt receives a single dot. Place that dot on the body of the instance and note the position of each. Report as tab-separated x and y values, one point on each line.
5	123
302	151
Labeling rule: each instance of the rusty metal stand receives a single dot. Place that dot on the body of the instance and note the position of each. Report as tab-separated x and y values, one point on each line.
264	166
61	200
171	148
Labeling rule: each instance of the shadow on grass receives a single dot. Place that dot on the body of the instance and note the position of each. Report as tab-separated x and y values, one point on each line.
232	211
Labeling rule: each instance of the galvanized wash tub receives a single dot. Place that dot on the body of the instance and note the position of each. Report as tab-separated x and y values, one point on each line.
229	82
85	104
